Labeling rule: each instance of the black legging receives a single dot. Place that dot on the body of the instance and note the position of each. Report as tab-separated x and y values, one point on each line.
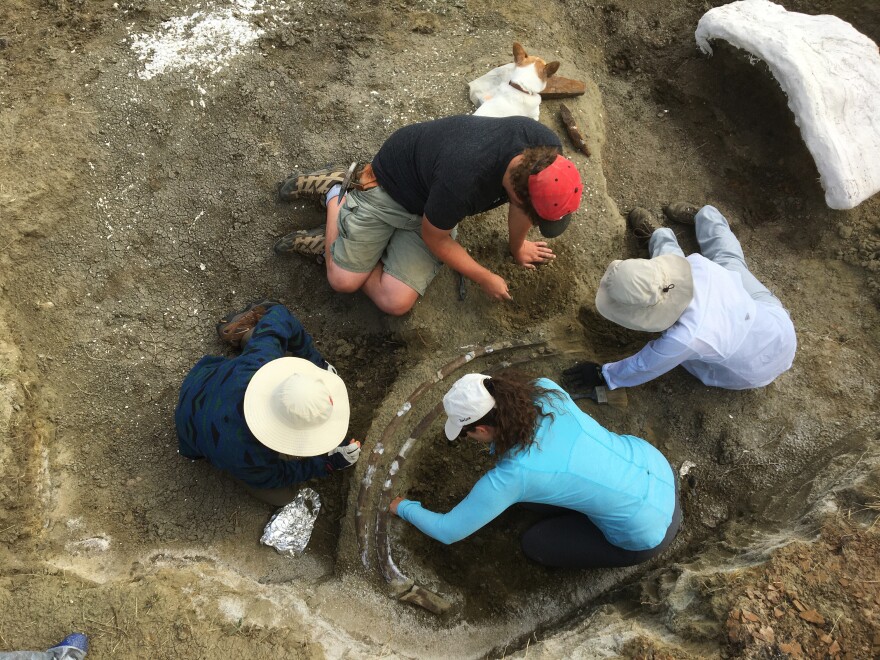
568	539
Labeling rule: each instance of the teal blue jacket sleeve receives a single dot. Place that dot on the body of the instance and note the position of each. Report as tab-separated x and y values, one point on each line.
489	498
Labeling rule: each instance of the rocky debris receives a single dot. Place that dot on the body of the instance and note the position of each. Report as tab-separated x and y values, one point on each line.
793	607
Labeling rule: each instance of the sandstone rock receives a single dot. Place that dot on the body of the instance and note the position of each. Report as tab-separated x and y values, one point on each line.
812	616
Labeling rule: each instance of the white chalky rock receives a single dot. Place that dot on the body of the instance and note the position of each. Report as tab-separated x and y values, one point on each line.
831	75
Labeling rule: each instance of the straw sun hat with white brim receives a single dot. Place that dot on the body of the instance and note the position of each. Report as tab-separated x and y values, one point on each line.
296	408
646	294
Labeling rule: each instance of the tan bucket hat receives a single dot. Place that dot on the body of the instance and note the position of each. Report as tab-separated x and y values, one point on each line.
296	408
646	294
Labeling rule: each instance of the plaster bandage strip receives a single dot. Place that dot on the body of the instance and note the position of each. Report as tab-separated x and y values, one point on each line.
831	75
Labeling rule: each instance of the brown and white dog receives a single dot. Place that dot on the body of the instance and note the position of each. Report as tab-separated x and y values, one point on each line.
512	89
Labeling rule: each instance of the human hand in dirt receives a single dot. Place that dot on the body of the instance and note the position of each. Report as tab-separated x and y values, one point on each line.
394	504
344	456
495	287
583	376
533	252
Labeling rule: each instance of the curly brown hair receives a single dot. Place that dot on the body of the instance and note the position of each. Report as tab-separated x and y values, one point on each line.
534	160
517	412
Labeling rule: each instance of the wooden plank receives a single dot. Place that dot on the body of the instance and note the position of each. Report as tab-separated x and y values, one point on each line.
561	88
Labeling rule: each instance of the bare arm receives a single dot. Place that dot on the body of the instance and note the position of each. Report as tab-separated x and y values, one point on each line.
526	253
447	250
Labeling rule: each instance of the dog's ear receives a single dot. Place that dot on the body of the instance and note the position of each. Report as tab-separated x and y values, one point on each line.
550	68
519	53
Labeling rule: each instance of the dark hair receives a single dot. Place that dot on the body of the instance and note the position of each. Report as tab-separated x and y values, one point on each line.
516	413
534	160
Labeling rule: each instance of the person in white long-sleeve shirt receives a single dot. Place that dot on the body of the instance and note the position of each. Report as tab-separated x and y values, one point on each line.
718	321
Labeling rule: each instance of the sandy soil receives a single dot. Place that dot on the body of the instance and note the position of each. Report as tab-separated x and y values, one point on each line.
139	207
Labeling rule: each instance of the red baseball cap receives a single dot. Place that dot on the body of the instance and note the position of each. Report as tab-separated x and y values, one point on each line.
556	193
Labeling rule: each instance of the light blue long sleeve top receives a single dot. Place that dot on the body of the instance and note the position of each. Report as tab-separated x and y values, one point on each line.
622	483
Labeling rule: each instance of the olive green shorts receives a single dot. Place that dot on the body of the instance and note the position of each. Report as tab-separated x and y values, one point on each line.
373	228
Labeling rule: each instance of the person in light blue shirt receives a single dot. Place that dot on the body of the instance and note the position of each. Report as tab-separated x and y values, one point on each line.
612	499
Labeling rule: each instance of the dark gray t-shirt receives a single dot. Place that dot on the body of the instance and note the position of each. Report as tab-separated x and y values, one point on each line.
450	168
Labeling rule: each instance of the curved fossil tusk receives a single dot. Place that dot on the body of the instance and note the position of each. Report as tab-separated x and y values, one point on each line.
365	492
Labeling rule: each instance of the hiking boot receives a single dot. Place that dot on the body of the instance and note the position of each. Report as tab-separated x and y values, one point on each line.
642	223
309	242
313	185
235	327
681	212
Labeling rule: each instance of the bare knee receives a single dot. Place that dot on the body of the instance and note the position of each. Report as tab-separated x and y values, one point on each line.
397	307
342	285
344	281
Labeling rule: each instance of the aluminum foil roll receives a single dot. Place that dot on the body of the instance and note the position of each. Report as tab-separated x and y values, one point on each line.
290	529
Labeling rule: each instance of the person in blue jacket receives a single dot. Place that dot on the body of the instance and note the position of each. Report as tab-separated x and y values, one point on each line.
268	419
612	500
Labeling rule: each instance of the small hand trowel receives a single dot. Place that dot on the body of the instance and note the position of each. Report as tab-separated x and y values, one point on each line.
603	396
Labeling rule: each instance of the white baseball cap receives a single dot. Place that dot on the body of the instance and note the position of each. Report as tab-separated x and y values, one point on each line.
466	402
296	408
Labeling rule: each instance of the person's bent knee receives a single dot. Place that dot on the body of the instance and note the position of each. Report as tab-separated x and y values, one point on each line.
397	307
344	281
533	546
341	285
